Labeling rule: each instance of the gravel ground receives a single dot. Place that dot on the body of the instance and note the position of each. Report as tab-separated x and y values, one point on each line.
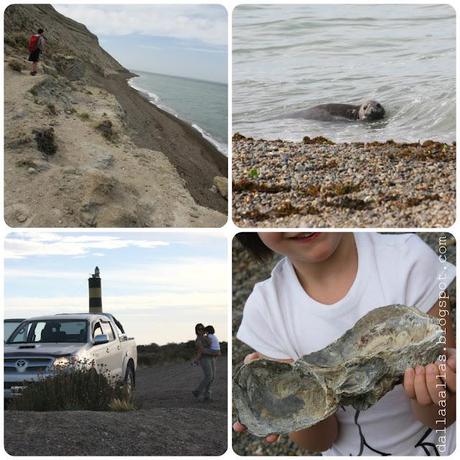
316	183
246	272
170	421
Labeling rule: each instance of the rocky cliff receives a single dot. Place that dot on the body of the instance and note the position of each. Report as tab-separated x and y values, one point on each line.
72	49
82	148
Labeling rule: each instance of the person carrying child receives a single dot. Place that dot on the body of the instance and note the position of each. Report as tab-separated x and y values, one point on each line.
208	348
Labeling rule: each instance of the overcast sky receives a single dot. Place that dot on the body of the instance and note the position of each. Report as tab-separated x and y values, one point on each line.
159	285
182	40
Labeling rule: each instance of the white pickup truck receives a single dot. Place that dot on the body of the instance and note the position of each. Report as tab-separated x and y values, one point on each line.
39	345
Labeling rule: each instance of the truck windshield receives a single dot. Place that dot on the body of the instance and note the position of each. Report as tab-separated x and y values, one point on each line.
51	331
9	326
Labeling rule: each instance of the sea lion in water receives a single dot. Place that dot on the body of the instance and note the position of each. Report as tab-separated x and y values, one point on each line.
369	110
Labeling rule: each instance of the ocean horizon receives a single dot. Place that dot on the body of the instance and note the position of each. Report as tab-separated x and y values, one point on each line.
201	103
179	76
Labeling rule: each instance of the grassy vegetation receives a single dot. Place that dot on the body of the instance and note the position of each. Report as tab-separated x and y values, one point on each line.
76	389
17	40
105	127
149	355
83	116
81	388
122	405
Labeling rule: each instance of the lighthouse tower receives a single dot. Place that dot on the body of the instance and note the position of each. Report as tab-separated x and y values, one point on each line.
95	294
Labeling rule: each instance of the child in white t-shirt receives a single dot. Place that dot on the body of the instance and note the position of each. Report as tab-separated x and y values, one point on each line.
210	344
325	283
211	334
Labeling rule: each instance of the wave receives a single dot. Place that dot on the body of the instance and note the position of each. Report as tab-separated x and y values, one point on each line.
155	100
219	145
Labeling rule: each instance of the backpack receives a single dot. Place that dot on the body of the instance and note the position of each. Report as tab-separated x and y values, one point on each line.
33	42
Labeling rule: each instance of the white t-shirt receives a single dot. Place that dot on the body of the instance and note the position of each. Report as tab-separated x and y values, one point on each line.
215	345
280	320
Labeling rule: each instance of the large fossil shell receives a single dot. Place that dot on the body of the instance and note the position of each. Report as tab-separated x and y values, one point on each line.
357	369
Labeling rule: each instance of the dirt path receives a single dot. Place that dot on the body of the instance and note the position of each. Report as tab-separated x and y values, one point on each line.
169	422
171	385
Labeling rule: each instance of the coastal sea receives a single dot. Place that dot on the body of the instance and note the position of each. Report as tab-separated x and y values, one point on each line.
292	57
203	104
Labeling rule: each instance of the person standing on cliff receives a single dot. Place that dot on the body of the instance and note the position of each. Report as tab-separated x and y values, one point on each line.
36	47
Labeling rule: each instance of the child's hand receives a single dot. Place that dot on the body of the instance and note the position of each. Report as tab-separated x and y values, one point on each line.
420	383
256	355
237	426
253	357
270	439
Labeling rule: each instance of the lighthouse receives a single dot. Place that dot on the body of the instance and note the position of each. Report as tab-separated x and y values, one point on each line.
95	294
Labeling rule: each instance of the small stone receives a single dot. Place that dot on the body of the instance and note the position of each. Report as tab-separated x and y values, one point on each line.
221	183
21	217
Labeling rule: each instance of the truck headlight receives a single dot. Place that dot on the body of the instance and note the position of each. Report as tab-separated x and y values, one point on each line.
63	361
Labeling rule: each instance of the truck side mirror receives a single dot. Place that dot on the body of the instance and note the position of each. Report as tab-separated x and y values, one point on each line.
101	339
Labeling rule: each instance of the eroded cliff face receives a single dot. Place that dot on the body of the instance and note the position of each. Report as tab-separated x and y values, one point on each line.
72	50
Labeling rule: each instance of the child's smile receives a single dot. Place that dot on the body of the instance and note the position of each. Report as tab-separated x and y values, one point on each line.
309	247
302	237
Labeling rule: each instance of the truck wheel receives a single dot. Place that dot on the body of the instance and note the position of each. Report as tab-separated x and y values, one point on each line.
128	383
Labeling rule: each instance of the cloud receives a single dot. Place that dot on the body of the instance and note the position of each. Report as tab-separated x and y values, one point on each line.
51	244
205	23
188	48
186	274
206	50
24	306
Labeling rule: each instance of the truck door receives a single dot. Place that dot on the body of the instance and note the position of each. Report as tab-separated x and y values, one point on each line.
114	351
99	353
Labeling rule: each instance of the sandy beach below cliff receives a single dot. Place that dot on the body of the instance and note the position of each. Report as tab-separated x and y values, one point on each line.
196	160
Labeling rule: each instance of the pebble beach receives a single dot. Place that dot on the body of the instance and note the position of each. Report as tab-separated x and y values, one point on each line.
317	183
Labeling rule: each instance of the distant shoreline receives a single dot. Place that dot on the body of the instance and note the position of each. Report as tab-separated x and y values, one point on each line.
196	159
223	148
179	76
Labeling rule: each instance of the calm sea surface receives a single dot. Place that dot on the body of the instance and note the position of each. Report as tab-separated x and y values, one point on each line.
203	104
292	57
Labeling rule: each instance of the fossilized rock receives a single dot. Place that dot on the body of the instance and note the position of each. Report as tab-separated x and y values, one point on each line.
357	369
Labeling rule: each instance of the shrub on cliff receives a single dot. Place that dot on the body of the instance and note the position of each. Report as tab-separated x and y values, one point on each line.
83	116
45	141
15	65
149	355
16	40
105	127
